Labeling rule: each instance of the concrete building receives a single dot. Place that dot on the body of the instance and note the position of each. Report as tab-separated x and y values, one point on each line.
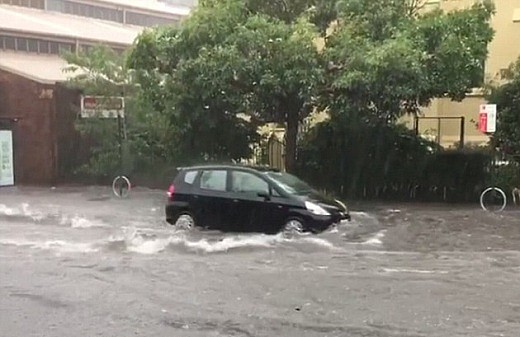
503	50
35	106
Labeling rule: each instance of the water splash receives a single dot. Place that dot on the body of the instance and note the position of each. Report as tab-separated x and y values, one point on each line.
234	242
80	222
360	214
23	211
319	242
139	241
50	217
376	239
54	245
413	271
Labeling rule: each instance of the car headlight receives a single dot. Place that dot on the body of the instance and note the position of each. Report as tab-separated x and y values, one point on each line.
315	209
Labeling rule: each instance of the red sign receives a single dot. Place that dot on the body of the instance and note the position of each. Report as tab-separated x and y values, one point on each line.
487	121
108	103
482	122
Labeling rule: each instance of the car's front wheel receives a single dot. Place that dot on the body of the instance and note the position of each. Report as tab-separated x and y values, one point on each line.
185	221
293	226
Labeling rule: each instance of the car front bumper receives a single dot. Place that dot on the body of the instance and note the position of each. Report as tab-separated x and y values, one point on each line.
320	223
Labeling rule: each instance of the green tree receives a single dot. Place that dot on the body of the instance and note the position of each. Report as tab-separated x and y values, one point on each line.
228	58
102	72
388	59
185	88
507	98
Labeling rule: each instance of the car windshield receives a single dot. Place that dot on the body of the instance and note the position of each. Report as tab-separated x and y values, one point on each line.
290	183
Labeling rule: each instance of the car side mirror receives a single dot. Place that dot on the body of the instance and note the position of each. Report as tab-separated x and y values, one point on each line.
264	195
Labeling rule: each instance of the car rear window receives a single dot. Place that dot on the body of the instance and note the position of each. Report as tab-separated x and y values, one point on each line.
189	177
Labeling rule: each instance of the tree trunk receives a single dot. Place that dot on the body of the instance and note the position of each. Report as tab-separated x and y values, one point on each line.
290	142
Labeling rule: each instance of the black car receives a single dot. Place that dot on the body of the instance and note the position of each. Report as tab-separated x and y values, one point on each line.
248	199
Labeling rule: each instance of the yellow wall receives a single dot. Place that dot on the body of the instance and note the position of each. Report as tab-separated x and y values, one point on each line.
503	50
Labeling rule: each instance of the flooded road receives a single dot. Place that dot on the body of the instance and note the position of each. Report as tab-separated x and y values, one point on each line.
77	262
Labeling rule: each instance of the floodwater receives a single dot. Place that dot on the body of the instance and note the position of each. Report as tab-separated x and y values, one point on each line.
78	262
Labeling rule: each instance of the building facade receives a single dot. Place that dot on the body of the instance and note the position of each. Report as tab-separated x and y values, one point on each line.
35	105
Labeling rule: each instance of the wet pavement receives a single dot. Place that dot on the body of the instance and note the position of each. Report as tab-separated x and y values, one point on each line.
78	262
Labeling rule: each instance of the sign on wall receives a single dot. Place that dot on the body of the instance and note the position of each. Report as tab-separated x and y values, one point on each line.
487	121
6	158
102	107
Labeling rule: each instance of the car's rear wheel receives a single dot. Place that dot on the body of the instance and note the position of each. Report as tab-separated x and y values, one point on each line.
293	226
185	221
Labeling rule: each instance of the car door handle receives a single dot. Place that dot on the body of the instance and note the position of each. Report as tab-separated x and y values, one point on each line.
236	201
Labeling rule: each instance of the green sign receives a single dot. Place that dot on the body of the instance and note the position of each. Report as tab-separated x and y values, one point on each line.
6	158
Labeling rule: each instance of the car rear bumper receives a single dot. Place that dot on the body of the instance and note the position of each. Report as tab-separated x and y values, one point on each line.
172	212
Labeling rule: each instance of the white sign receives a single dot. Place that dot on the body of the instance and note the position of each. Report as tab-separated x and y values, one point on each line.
488	118
6	158
102	107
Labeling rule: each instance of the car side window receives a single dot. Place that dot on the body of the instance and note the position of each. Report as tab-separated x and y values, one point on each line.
244	182
189	177
213	180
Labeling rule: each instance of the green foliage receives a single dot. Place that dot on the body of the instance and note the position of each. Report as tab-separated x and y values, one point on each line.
455	44
319	12
225	60
464	174
390	162
506	177
346	158
200	90
507	98
387	59
101	71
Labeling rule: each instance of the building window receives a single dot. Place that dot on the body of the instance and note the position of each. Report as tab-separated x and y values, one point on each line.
56	5
65	48
505	73
25	3
53	48
9	43
146	20
85	48
21	44
34	46
80	9
43	47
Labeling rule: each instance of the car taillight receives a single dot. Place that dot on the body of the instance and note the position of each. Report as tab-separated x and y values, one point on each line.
171	191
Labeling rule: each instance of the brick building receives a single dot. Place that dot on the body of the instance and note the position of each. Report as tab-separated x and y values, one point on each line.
35	105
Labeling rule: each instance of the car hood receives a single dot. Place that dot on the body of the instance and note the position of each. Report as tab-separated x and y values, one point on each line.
326	202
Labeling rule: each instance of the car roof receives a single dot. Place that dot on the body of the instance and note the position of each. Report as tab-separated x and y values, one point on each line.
229	166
